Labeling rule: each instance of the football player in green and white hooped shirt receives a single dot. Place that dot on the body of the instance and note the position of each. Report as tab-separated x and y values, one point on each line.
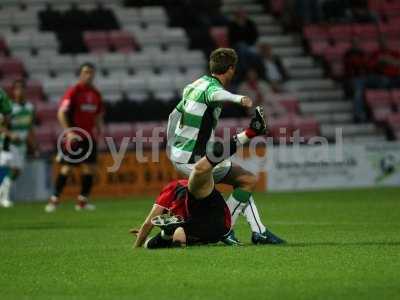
20	134
191	126
5	111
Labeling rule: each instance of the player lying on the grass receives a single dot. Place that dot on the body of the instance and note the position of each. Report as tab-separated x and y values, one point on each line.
191	125
199	214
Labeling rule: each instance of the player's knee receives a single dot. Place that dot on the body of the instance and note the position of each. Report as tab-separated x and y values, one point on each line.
65	170
201	168
179	236
248	182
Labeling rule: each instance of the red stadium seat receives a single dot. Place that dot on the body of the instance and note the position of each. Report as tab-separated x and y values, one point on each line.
336	52
292	106
220	36
307	127
315	32
390	30
318	47
122	41
340	32
281	129
393	44
379	103
96	41
34	91
365	31
46	138
12	68
390	8
369	46
6	84
46	113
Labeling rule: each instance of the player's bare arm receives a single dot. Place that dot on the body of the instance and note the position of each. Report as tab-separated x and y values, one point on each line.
147	226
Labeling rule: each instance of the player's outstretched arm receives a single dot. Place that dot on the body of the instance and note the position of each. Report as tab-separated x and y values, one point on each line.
147	226
225	96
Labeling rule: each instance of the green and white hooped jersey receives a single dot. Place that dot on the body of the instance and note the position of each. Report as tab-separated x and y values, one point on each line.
200	111
22	118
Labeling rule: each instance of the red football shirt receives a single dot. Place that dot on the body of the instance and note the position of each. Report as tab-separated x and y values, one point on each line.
174	198
83	104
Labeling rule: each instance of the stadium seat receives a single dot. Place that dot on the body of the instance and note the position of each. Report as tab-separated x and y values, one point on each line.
315	32
390	30
55	88
318	47
336	52
122	41
135	88
141	62
96	41
22	40
291	105
153	15
175	39
379	103
128	17
220	36
192	59
93	58
25	19
110	88
149	39
34	91
167	62
46	138
46	113
62	64
281	129
162	87
113	61
45	41
365	31
340	32
38	66
369	46
12	68
307	127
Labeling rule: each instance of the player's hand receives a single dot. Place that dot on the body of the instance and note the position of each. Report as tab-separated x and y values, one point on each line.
246	102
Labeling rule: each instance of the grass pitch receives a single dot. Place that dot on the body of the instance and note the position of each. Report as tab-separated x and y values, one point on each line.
342	245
